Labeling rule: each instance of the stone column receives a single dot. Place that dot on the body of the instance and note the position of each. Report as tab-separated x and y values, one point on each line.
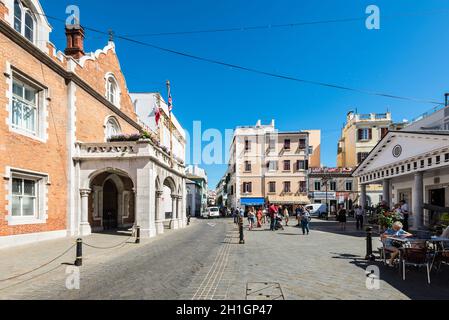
386	195
174	223
144	213
85	228
179	212
418	201
160	212
363	196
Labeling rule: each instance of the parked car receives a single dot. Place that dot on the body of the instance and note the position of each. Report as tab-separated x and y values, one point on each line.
213	212
317	210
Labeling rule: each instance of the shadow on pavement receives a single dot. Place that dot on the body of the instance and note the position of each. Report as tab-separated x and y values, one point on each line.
414	287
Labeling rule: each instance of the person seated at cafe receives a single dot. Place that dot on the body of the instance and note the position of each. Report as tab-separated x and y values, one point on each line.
396	231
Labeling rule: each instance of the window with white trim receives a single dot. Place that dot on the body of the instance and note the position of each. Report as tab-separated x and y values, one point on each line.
27	198
112	128
25	107
24	197
24	21
112	90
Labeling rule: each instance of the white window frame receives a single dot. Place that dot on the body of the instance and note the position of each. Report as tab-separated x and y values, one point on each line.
317	183
24	12
111	120
365	134
113	98
41	202
25	103
41	106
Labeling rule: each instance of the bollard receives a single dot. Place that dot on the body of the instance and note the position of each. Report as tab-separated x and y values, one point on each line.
137	235
242	237
79	253
369	245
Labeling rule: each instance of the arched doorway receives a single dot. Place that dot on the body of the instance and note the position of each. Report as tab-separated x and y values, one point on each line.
111	202
110	205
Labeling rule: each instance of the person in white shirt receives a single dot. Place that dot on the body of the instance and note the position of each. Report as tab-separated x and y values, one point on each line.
405	214
359	216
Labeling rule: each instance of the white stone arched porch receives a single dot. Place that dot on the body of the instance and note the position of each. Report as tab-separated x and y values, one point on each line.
147	167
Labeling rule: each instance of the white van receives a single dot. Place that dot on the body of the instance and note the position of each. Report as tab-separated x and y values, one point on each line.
317	210
213	212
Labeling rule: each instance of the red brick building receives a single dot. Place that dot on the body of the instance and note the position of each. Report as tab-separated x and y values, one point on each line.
60	175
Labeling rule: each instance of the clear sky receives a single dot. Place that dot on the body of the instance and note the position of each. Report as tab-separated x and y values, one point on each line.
407	57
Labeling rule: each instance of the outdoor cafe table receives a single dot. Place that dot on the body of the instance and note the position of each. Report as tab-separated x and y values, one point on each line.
405	242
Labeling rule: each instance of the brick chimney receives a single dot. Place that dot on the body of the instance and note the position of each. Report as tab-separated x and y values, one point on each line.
75	41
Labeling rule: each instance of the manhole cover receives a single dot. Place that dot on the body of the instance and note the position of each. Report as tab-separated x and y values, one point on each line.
264	291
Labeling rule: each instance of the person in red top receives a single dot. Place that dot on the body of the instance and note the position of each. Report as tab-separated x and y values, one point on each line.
273	210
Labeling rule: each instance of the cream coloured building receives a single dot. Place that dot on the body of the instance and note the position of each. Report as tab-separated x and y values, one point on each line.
268	166
361	133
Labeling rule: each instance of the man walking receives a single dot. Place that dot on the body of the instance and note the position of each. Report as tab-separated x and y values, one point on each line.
359	216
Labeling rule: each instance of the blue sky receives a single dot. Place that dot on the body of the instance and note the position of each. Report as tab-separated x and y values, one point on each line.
407	57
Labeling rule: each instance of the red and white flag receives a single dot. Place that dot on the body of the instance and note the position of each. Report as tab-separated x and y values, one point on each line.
157	113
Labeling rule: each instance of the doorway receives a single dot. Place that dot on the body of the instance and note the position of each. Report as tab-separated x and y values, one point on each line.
110	205
438	199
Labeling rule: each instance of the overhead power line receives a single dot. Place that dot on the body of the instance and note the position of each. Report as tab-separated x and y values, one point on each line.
288	25
257	71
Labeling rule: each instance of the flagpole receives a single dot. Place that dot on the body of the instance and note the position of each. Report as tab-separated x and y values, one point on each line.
170	124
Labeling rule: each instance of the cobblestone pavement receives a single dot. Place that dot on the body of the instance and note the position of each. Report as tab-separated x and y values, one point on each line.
206	261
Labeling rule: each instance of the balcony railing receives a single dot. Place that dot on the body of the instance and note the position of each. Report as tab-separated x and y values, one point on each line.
126	150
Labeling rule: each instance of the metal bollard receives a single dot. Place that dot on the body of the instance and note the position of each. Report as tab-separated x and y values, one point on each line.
369	245
137	235
79	253
242	237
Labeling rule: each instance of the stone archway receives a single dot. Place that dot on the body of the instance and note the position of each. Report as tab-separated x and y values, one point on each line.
111	202
167	204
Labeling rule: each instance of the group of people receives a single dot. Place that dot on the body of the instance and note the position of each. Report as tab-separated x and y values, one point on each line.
275	215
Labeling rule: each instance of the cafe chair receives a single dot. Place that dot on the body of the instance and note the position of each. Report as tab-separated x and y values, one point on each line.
416	257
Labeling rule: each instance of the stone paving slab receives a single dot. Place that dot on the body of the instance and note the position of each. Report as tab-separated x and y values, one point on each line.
204	262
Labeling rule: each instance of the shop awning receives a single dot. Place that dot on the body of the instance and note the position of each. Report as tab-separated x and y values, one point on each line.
252	201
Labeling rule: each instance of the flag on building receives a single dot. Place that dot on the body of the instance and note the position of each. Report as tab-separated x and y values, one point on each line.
170	101
157	113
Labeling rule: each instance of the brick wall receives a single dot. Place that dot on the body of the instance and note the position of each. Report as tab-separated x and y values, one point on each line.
3	10
25	153
94	72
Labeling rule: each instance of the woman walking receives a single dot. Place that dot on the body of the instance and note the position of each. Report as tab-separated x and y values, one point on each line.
251	217
286	216
342	217
259	218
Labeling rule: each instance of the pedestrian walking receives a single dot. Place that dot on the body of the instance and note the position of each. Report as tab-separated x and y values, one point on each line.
272	210
251	218
342	217
360	217
305	221
286	216
260	216
236	214
298	213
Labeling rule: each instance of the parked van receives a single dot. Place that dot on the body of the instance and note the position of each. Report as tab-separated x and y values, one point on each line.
317	210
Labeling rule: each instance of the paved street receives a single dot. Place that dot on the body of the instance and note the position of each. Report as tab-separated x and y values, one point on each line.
205	261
